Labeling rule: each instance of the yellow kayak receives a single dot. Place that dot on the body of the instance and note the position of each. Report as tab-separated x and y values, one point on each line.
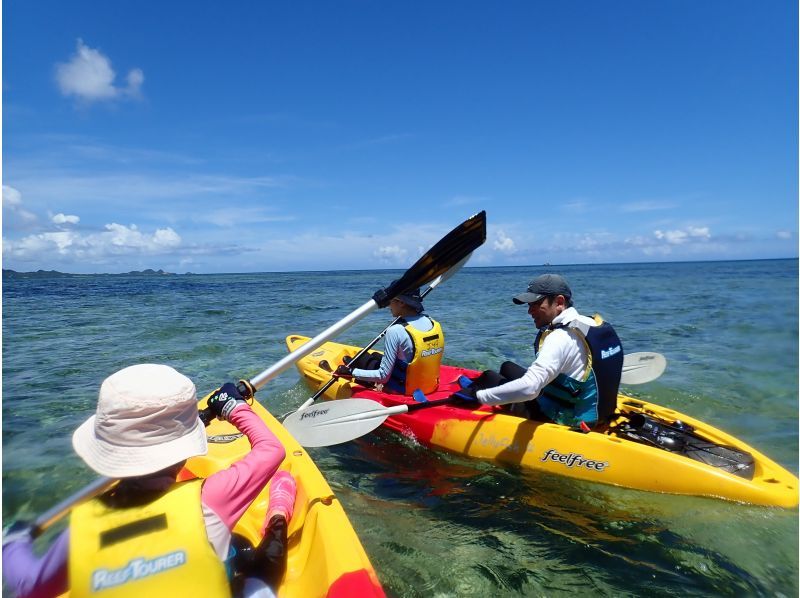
325	556
645	447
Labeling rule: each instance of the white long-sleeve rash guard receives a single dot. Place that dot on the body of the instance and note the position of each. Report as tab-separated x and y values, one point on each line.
560	353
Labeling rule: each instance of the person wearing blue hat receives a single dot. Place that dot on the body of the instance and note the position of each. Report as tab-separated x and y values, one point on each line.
413	350
575	376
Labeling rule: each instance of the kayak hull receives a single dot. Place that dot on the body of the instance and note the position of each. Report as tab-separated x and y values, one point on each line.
324	555
604	455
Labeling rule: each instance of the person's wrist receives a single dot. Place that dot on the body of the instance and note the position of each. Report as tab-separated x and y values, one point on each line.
228	411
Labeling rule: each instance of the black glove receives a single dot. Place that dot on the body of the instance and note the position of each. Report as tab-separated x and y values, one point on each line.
225	400
466	396
343	372
18	531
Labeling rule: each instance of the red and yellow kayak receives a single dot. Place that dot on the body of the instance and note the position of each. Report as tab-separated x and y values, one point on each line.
645	447
325	556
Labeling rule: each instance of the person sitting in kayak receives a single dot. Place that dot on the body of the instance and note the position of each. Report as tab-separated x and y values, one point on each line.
149	535
413	350
576	373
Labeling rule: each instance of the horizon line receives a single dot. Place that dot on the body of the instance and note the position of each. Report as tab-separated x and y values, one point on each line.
545	265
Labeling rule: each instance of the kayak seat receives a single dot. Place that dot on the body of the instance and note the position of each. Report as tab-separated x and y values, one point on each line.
366	361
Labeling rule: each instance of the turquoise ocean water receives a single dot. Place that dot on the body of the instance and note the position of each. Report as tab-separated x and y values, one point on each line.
436	524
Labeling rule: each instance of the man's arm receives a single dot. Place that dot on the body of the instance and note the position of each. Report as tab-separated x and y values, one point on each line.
552	360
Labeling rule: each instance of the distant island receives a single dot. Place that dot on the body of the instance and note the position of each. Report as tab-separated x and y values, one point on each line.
54	273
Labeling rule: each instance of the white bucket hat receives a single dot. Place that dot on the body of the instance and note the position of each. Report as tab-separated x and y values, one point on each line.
146	420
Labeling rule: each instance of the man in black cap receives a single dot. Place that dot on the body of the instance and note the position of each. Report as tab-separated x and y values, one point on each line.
413	350
575	376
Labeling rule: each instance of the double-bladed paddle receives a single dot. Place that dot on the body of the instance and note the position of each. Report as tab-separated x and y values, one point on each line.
342	420
451	251
642	367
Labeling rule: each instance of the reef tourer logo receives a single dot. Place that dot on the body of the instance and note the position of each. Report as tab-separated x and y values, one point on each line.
429	352
138	568
313	413
574	460
606	353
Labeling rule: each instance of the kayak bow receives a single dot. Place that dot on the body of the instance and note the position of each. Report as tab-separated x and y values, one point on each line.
325	556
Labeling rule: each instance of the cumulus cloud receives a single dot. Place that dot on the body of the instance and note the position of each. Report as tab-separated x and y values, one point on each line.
13	212
11	197
65	219
89	77
504	244
393	254
115	240
681	236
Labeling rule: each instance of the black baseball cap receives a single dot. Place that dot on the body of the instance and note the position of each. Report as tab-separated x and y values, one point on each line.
546	285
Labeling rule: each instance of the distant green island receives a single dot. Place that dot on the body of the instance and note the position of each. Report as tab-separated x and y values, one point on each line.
54	273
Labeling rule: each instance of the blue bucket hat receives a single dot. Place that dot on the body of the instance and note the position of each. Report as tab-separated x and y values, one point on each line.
412	298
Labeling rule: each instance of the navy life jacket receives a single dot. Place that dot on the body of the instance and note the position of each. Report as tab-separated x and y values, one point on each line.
593	398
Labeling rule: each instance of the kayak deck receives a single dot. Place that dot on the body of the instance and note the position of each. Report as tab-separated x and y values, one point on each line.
324	554
612	454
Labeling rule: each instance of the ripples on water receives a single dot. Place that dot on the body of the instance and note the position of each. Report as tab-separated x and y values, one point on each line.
437	524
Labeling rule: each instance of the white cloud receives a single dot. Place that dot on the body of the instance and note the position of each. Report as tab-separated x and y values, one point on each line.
115	240
504	244
13	212
699	232
393	254
166	237
89	77
783	234
11	197
65	219
679	237
673	237
135	79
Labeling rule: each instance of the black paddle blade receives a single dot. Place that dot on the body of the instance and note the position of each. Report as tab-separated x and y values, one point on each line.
451	249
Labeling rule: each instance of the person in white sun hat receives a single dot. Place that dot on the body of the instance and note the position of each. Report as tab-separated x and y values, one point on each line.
151	535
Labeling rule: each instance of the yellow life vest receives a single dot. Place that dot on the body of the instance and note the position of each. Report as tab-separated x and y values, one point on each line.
157	549
422	371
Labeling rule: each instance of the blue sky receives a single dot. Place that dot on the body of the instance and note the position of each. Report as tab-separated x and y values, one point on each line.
273	136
